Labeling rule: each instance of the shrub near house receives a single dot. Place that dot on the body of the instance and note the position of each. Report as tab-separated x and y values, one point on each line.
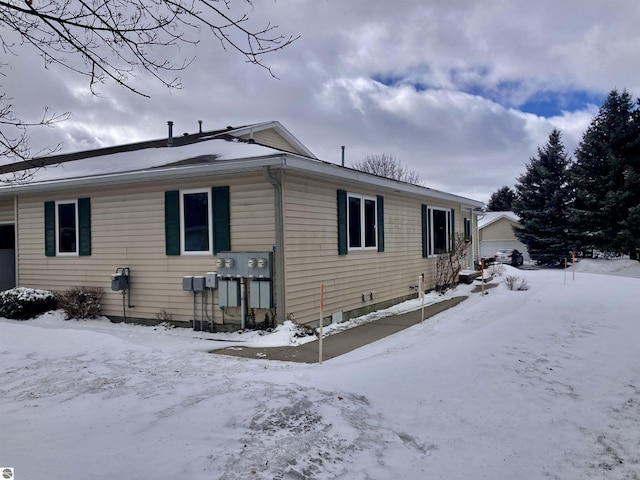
24	303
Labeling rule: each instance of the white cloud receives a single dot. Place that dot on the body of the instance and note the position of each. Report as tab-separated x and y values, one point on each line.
456	74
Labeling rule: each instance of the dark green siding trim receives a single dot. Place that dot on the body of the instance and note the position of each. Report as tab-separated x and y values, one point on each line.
84	224
221	218
425	232
172	222
50	229
380	212
342	222
453	229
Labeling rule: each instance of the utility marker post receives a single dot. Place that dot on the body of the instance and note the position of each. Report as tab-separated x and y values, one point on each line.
421	295
321	315
482	263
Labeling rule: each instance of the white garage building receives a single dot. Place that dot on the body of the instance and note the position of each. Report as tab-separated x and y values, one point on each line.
495	231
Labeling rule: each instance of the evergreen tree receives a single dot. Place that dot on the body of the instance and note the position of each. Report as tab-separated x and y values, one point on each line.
501	200
606	178
542	202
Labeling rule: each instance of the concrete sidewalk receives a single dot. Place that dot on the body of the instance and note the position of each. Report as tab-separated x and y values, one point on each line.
345	341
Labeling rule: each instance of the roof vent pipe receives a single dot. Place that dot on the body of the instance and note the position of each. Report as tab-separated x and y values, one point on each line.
170	139
199	126
342	147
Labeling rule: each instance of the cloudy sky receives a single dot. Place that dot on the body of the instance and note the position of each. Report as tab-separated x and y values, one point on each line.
461	91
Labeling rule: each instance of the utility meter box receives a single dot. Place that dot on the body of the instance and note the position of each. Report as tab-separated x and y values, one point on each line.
260	294
187	284
245	264
198	284
211	280
119	282
229	293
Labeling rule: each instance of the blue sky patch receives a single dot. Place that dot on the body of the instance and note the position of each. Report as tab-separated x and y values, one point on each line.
508	93
399	80
549	104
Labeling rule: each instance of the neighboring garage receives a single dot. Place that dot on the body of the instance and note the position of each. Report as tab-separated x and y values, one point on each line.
495	231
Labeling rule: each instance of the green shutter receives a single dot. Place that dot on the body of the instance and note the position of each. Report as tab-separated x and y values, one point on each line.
221	219
84	225
425	232
172	222
380	212
50	229
453	229
342	222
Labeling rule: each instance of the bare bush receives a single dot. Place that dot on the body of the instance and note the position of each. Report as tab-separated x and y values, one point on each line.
449	265
81	302
164	316
513	282
497	269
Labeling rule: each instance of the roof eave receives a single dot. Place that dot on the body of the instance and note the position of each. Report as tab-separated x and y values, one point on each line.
240	165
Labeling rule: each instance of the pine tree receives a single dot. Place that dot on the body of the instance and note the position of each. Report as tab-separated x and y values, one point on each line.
606	178
501	200
542	201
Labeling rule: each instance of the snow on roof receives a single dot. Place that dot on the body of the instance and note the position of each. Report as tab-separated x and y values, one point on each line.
208	151
490	217
217	152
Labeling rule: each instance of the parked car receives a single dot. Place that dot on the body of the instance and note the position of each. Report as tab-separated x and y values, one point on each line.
510	256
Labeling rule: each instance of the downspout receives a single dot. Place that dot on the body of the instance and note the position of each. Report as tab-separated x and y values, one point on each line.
281	307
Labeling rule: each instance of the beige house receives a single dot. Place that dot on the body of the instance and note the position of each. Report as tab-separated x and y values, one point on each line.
226	228
495	231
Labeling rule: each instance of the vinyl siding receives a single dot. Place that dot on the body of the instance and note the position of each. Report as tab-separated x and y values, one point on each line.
127	230
271	138
6	210
499	230
311	250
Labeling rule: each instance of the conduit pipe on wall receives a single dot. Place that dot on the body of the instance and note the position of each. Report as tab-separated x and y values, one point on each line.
281	308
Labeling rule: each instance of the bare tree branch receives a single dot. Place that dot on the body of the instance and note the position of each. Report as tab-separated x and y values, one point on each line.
114	40
14	146
387	166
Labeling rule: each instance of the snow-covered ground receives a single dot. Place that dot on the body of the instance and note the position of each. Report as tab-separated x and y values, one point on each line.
535	384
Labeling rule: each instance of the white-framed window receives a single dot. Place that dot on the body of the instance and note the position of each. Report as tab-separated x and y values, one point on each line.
196	232
361	221
66	224
439	230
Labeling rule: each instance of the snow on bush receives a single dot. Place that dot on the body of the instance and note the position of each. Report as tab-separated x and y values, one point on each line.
22	303
513	282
